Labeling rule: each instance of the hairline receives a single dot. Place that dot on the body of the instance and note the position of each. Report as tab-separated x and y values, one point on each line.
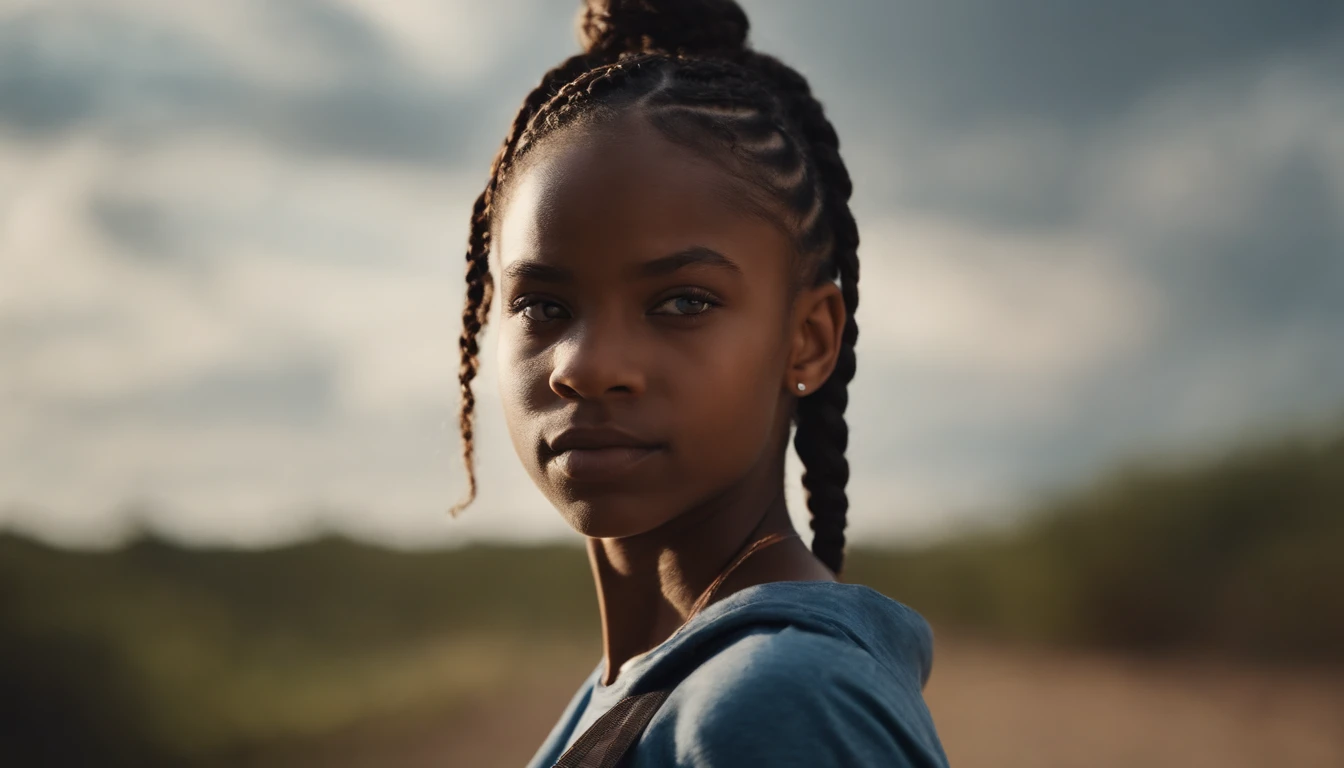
738	192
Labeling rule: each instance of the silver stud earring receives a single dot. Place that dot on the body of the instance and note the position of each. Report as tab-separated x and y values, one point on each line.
801	386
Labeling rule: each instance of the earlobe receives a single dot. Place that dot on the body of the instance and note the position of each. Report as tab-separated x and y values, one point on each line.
819	322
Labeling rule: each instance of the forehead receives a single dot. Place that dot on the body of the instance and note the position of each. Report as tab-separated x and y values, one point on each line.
623	191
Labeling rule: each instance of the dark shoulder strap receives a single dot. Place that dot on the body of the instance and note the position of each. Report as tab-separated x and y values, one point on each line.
607	740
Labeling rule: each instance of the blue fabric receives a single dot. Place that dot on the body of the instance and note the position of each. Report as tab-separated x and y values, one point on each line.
790	673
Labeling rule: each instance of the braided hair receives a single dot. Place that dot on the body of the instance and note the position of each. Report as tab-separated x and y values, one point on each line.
686	66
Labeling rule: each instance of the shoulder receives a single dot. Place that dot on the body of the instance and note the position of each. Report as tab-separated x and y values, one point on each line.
785	695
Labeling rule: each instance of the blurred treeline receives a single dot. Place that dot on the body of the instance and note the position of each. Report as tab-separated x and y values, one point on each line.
1241	556
158	655
153	654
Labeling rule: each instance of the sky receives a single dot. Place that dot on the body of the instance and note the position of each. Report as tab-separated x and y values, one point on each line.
232	240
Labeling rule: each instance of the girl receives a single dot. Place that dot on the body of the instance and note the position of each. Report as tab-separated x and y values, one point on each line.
668	216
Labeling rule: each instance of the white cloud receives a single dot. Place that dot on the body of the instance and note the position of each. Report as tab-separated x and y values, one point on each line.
980	302
457	39
1194	155
254	338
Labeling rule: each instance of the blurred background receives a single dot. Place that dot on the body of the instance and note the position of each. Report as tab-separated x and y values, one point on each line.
1097	427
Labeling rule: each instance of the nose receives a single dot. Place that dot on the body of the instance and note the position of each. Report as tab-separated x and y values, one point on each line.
596	360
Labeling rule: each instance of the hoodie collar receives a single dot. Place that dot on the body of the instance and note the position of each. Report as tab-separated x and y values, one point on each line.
891	632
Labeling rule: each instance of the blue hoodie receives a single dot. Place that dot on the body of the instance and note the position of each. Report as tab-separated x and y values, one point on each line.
787	673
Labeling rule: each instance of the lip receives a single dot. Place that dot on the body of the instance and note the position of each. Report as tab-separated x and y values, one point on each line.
599	453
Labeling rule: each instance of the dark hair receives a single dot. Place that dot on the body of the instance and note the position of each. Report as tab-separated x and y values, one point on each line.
686	66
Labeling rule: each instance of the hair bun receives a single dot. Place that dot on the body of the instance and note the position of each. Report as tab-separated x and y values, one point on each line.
614	27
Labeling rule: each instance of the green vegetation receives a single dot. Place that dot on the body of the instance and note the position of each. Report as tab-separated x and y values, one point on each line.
154	654
1241	556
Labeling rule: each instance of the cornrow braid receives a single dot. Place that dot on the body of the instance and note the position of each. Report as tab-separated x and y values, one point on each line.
685	67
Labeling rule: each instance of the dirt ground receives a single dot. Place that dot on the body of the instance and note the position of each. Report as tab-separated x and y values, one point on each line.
992	706
995	707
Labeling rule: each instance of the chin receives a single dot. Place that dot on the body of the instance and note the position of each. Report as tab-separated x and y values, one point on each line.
611	518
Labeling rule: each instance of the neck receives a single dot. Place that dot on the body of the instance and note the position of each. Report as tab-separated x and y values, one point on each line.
647	584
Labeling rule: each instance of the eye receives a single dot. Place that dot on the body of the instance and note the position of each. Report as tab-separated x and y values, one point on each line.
539	310
687	303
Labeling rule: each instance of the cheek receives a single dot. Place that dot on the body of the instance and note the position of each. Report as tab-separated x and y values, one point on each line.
730	396
520	374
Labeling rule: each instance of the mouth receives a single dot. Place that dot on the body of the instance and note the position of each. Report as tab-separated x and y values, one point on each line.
595	454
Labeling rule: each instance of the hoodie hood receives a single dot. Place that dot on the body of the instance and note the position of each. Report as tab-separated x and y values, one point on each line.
894	634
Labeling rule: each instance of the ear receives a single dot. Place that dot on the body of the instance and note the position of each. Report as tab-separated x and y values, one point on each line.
818	324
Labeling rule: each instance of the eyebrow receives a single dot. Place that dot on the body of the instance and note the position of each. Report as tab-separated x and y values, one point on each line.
664	265
538	272
696	254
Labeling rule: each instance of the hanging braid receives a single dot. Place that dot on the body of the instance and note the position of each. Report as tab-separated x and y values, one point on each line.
823	435
686	67
480	284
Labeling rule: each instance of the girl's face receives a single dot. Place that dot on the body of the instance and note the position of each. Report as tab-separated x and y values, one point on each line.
636	298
